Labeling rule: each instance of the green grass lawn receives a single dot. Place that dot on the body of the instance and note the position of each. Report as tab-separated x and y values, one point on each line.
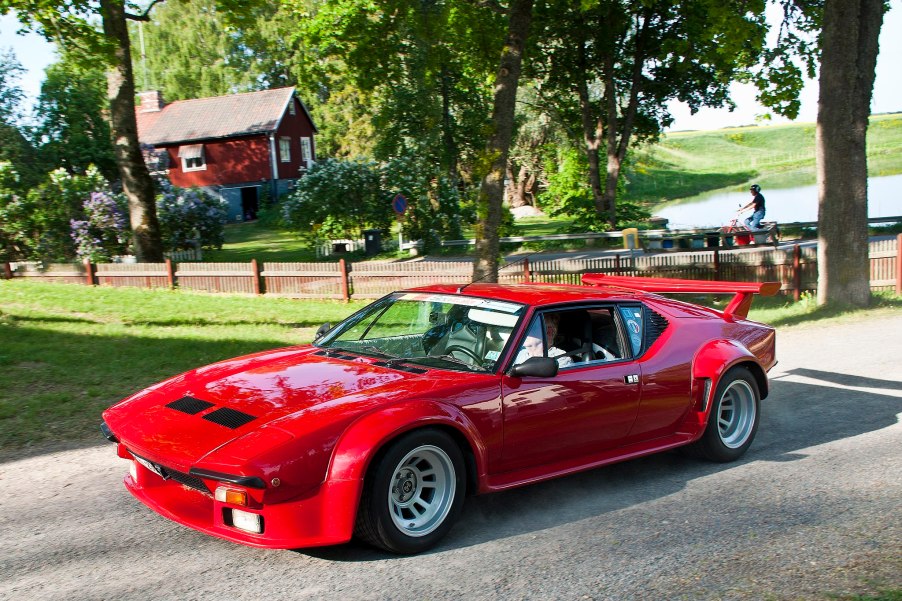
67	352
262	241
684	164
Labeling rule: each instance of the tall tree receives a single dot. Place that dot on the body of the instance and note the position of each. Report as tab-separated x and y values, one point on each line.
73	23
423	66
189	51
849	47
15	146
73	131
613	65
491	192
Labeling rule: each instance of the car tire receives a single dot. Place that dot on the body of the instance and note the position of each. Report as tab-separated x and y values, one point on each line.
733	420
413	493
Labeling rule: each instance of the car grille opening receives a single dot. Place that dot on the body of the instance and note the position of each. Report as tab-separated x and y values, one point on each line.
230	418
168	473
189	405
187	480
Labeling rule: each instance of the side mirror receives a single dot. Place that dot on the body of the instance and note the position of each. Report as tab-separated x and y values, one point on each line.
535	367
322	331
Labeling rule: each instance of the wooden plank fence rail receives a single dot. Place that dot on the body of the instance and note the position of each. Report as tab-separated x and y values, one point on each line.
233	278
139	275
306	280
795	267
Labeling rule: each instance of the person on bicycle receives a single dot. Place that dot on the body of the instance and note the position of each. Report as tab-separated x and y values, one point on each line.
757	205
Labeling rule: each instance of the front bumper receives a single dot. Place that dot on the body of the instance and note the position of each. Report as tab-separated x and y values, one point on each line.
325	518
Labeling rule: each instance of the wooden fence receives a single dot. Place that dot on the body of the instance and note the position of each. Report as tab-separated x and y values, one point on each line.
795	267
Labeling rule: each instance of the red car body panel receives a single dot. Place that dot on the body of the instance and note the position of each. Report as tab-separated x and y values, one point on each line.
317	421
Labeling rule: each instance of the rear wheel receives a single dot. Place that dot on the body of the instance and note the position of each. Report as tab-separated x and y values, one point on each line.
413	493
734	417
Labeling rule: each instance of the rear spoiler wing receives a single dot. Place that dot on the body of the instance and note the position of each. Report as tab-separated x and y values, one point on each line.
738	307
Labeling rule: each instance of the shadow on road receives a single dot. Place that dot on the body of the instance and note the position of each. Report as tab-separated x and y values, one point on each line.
795	416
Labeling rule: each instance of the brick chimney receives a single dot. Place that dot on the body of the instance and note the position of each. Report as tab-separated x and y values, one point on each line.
151	102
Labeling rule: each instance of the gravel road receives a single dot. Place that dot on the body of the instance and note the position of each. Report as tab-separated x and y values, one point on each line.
813	510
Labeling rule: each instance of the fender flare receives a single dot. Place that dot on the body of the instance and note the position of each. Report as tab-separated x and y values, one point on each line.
368	435
711	362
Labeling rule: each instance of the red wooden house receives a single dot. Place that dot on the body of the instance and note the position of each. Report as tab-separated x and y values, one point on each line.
233	146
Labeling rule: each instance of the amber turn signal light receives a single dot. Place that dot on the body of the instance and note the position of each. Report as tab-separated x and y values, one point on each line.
231	496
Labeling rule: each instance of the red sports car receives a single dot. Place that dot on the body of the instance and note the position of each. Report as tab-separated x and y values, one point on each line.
381	426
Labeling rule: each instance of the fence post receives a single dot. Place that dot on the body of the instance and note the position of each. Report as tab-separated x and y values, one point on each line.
343	267
716	264
526	275
7	271
89	272
796	273
617	264
898	264
170	274
256	269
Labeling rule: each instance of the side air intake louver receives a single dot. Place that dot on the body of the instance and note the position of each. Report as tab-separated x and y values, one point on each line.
230	418
189	405
655	325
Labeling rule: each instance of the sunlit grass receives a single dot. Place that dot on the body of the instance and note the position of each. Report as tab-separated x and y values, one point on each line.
67	352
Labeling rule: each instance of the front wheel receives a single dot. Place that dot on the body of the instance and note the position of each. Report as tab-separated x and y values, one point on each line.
734	417
413	493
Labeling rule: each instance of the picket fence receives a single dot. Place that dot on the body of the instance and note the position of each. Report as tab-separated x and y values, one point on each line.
795	267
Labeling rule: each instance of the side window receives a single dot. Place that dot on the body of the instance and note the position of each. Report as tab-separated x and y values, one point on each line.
632	320
533	343
606	342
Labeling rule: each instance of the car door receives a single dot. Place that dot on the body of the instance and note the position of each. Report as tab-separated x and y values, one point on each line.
588	407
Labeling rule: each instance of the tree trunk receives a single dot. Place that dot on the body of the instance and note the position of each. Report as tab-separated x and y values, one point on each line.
491	193
136	182
849	46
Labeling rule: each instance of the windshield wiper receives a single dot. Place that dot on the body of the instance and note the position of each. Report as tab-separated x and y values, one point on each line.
449	359
366	351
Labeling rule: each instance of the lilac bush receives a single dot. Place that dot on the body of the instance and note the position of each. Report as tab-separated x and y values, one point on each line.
190	217
104	231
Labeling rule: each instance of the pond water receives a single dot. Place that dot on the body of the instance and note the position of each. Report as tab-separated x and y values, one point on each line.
783	205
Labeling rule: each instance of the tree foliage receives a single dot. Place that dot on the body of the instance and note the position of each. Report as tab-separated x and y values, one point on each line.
190	50
35	223
73	128
15	147
610	67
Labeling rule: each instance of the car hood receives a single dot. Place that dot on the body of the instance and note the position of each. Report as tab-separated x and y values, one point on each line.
180	421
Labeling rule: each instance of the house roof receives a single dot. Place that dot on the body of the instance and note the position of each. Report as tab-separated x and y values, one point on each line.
218	117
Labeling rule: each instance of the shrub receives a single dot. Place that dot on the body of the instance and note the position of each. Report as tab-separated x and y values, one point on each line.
104	231
190	217
338	199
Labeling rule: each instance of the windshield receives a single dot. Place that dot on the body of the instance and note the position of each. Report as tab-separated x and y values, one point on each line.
436	330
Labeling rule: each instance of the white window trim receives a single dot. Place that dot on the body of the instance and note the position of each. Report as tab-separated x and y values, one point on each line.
285	149
306	151
203	165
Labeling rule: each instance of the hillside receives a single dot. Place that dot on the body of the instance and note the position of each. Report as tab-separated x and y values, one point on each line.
687	163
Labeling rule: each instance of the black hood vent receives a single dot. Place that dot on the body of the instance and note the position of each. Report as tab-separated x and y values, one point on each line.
230	418
189	405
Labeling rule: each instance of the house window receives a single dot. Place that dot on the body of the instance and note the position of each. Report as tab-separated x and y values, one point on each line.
192	156
285	149
291	110
306	152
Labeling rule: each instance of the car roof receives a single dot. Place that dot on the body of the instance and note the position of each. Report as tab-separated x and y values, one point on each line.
535	294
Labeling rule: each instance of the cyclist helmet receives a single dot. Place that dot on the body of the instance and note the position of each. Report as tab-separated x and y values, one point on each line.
755	188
